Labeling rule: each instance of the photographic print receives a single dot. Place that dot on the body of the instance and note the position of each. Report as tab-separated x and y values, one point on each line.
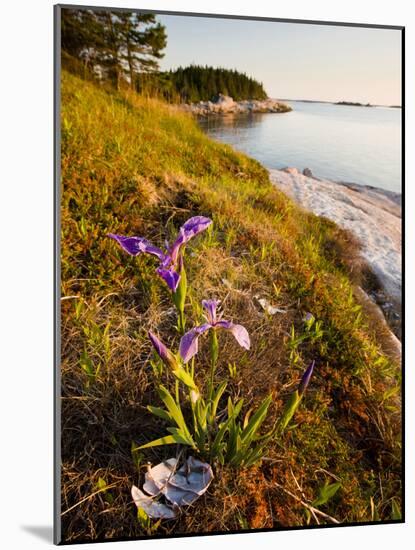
229	274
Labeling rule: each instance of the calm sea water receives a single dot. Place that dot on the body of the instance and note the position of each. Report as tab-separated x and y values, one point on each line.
353	144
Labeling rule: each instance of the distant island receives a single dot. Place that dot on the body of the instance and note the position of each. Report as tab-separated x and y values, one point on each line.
206	91
353	104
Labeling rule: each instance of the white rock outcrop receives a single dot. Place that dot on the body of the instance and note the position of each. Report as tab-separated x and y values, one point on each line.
372	214
223	105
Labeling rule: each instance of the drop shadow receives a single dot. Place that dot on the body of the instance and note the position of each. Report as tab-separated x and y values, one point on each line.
42	532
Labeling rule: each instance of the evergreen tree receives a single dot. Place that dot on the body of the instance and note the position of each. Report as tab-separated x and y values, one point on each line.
141	43
82	35
117	45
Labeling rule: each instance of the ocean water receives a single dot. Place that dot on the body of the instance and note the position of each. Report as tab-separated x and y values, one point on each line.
342	143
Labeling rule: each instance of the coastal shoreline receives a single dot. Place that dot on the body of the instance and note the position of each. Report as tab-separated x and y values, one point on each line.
371	214
225	105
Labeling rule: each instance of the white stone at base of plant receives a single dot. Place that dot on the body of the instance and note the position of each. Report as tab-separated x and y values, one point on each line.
180	487
179	497
157	477
154	509
194	476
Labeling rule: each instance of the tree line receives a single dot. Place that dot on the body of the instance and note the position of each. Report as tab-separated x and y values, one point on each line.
197	83
124	49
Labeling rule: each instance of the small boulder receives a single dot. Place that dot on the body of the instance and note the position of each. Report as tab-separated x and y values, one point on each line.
291	170
221	99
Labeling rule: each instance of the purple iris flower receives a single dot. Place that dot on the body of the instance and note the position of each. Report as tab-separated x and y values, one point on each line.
189	342
162	351
171	260
306	378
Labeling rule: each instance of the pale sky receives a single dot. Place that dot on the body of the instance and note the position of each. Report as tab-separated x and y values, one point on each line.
293	61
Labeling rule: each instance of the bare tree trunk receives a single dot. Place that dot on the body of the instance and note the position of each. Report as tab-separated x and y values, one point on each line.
114	48
130	66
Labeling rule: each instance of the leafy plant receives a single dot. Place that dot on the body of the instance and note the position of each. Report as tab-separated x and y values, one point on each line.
89	367
220	434
102	486
295	398
217	434
326	492
396	510
148	525
313	333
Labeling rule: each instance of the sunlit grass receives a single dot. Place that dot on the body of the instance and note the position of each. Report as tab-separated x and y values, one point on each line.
132	165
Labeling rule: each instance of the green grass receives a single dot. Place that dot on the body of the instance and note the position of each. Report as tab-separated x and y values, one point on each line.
133	165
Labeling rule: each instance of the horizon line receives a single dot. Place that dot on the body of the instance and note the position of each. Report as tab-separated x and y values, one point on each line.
342	101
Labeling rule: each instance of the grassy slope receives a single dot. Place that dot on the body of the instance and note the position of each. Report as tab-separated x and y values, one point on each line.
137	166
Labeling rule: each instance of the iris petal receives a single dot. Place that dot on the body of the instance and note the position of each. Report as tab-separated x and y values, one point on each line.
171	277
210	307
137	245
240	333
189	343
188	230
194	226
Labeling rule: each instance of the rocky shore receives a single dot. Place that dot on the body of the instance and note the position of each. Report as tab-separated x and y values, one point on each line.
373	215
225	105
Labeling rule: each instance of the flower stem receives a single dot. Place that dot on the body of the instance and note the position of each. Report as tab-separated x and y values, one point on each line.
181	322
179	300
192	368
214	352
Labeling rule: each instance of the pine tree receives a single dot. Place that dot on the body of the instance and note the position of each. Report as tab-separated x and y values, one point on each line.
141	43
117	45
82	35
